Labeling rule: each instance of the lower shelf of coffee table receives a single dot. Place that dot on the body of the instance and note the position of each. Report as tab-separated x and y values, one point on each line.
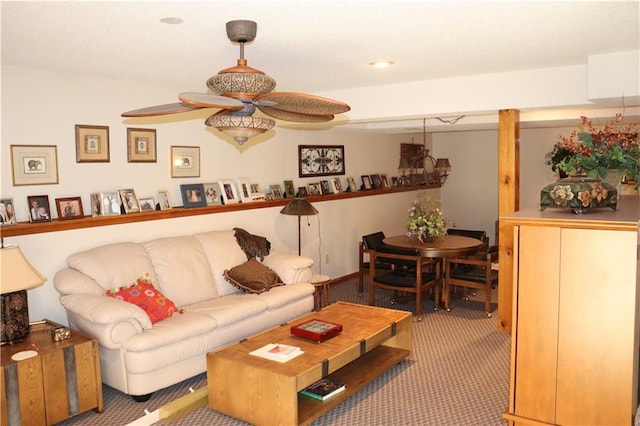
355	375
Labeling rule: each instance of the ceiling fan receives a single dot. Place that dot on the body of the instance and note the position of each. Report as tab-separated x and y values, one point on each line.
239	90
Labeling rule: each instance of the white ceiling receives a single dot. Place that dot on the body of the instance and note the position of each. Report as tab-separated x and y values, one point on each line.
313	46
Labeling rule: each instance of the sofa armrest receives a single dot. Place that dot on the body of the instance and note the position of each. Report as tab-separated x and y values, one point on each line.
291	268
109	320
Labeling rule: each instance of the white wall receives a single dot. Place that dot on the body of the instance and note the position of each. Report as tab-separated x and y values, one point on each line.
42	107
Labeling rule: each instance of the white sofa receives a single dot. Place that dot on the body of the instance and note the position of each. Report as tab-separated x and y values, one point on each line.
138	357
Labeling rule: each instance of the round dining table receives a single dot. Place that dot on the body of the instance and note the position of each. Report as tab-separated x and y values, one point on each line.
450	246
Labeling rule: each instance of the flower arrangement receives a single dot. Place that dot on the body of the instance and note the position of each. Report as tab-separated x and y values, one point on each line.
426	220
596	150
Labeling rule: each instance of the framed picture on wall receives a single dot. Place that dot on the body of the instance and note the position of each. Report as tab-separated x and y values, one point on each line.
69	208
92	144
320	160
141	145
34	164
185	161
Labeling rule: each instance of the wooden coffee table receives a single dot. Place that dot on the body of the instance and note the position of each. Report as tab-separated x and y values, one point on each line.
264	392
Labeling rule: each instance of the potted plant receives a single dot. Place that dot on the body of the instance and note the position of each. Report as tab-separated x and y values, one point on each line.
426	220
595	150
555	157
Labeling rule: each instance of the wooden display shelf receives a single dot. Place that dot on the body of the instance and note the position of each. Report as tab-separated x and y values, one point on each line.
26	228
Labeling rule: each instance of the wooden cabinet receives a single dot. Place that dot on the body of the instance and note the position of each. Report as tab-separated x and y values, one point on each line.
574	357
61	381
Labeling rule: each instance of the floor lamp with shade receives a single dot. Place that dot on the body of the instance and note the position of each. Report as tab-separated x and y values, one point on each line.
18	276
299	207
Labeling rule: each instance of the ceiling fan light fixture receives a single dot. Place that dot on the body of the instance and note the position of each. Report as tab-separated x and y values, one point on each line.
240	127
241	85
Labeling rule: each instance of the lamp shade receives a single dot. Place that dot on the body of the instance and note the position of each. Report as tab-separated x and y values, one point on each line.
17	273
443	165
299	207
17	277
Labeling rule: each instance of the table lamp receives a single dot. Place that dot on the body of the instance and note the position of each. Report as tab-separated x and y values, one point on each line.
18	276
299	207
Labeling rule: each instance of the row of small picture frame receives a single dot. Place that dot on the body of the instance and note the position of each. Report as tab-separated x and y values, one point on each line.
124	201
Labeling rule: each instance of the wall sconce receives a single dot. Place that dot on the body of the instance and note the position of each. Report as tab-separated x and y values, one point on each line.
18	276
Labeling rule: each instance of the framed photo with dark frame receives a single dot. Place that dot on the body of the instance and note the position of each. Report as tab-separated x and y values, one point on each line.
129	200
376	181
366	182
303	192
69	208
185	161
193	195
39	210
141	145
34	164
92	144
320	160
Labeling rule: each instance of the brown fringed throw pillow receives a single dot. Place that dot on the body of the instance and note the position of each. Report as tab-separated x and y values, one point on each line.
252	245
252	277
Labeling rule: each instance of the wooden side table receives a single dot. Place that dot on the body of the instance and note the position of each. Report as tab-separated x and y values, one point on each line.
321	296
62	380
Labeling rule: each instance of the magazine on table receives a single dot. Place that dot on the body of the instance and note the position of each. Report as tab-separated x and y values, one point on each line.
323	389
278	352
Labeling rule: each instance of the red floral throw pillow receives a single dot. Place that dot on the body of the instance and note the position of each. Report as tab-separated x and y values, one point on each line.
146	296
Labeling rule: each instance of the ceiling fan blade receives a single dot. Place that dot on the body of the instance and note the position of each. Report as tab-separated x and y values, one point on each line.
164	109
302	103
294	116
205	100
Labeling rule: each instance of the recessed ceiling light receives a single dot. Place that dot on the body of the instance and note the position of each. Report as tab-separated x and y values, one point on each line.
172	20
381	64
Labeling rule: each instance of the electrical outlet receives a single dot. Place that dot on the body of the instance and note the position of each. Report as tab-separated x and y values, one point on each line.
326	258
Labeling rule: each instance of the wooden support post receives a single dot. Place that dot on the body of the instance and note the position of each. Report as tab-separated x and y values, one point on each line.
508	202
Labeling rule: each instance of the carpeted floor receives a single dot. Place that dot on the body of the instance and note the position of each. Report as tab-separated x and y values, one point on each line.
458	374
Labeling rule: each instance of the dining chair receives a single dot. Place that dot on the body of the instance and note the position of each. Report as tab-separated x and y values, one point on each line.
472	272
421	277
369	243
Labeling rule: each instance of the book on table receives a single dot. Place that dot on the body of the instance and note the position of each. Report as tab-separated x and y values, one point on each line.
278	352
323	389
315	329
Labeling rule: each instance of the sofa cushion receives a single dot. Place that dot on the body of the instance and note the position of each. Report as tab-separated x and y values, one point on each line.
284	295
142	293
113	265
231	308
222	252
182	269
252	277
